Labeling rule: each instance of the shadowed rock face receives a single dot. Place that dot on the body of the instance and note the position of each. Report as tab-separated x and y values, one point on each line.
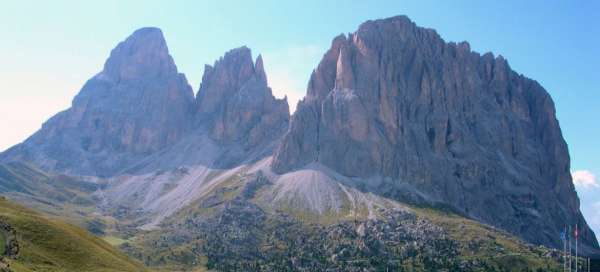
236	104
394	100
138	104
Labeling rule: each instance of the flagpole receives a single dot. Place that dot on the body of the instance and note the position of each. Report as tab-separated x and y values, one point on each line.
564	238
570	259
576	238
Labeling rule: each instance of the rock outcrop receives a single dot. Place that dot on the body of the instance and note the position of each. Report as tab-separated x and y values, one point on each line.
137	105
10	248
9	235
394	104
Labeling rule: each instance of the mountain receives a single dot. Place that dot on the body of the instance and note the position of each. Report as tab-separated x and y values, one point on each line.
407	153
237	123
137	134
33	242
137	105
417	119
236	103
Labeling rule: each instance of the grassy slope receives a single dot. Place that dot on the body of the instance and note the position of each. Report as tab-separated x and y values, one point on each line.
484	243
56	195
50	245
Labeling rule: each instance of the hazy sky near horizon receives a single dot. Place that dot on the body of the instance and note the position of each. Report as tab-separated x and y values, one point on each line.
50	48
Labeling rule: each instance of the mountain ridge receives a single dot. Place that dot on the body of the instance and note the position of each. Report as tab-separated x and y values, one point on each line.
139	106
392	115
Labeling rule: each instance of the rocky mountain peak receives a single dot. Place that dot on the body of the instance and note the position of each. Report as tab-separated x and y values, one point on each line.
322	78
259	69
397	107
227	76
143	54
235	101
137	105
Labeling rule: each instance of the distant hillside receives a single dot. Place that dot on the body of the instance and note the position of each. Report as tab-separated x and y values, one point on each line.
68	198
38	243
22	180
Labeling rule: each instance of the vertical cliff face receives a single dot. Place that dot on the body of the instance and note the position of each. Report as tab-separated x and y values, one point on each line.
138	104
236	104
394	100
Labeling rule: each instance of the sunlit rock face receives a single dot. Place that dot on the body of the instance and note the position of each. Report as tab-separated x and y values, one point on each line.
138	104
394	100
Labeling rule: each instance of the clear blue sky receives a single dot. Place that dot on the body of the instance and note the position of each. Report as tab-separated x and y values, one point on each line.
49	49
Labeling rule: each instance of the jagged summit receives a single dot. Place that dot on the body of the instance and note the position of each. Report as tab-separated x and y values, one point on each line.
143	54
227	76
138	104
236	102
260	69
